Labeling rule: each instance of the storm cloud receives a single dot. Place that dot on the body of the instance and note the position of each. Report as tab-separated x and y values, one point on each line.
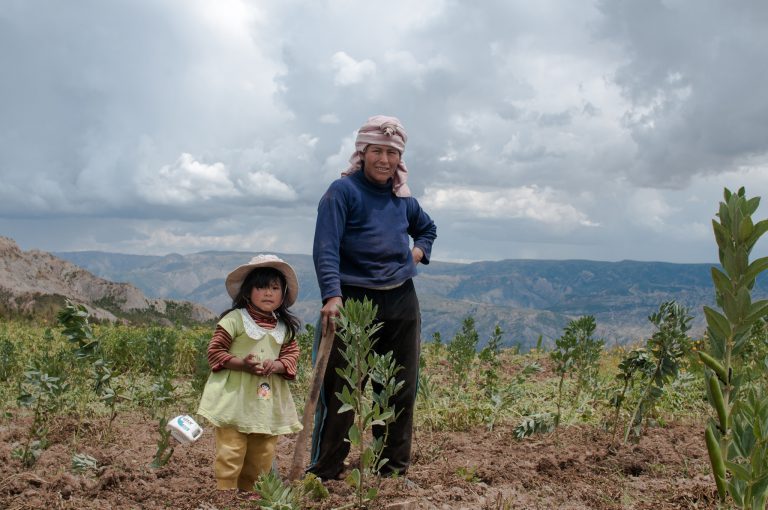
601	130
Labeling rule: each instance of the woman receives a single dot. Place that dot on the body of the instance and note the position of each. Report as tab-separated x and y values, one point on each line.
365	222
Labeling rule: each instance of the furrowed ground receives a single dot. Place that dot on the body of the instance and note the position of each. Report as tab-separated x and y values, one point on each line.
485	436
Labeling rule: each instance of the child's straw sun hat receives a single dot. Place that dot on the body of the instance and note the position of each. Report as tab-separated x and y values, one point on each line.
236	278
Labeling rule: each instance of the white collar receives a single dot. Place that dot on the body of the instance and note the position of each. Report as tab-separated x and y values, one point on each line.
256	332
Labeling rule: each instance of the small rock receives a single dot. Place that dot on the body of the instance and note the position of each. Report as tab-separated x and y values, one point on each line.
401	505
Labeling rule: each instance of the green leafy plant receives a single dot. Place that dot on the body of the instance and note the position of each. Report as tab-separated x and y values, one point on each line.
73	320
274	494
751	361
312	487
305	339
489	357
667	347
356	328
201	369
161	345
160	350
637	364
164	449
576	352
8	359
42	393
506	396
468	474
162	390
540	423
103	387
426	398
736	436
84	463
461	351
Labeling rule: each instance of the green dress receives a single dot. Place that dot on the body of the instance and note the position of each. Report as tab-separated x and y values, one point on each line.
247	402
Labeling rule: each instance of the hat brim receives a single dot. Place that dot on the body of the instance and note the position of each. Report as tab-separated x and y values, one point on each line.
236	278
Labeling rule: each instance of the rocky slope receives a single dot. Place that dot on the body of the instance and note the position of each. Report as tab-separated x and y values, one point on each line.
36	283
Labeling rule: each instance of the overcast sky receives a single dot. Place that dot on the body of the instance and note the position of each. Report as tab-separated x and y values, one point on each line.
553	129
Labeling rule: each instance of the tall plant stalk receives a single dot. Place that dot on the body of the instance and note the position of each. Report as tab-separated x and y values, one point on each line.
736	437
357	328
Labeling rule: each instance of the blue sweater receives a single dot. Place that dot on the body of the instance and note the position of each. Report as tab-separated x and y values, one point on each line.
362	236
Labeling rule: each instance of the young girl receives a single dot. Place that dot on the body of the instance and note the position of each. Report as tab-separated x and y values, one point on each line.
253	353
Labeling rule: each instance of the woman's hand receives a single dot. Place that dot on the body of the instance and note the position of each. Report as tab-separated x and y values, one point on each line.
417	254
328	314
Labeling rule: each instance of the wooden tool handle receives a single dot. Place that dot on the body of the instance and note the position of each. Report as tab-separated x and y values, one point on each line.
315	383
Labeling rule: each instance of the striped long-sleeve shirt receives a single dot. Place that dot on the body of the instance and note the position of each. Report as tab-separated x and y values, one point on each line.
218	348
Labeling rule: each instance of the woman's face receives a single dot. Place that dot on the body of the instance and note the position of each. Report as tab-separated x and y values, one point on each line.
380	163
269	298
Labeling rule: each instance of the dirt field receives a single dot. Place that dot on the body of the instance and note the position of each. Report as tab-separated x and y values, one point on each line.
478	469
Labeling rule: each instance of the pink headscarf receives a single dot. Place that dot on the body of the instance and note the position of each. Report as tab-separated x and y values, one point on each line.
382	130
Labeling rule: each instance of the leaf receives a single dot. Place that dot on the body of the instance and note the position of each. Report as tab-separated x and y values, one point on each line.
739	471
742	259
755	268
760	486
353	478
717	322
722	238
745	229
758	310
761	227
367	458
743	302
731	309
724	214
729	264
345	407
743	438
736	490
354	435
752	205
721	281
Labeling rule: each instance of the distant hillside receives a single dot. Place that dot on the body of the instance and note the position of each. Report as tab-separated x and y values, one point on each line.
527	298
36	284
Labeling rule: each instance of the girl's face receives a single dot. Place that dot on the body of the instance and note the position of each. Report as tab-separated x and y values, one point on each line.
269	298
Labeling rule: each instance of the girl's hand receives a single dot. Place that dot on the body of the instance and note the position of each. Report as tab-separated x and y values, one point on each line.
252	365
272	366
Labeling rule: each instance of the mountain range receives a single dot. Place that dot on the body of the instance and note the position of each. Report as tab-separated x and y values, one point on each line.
35	284
527	298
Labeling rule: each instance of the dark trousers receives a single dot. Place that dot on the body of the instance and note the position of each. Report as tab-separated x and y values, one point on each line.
398	311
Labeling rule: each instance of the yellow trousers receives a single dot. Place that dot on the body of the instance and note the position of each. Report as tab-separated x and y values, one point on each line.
241	458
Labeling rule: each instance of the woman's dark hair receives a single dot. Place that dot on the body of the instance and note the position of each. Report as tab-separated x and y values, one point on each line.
261	278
